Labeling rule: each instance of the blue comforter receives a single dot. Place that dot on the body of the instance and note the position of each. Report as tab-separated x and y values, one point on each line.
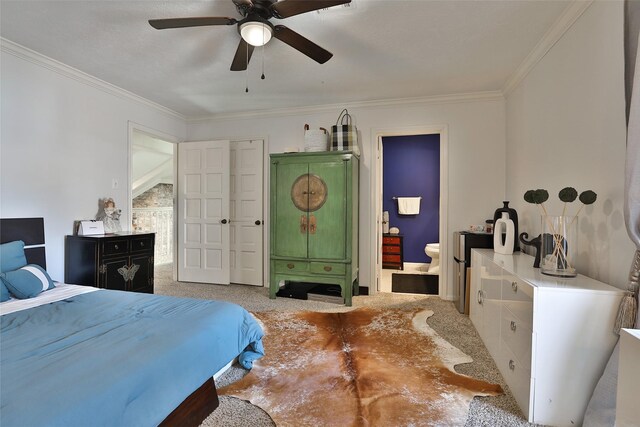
115	358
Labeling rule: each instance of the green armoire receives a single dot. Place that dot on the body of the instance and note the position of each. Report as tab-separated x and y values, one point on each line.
314	220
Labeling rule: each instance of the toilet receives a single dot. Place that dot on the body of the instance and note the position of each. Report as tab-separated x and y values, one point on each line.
433	250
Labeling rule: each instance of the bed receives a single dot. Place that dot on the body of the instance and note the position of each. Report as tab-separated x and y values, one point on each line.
76	355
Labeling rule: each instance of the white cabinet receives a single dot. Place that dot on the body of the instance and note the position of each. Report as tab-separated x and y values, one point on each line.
550	337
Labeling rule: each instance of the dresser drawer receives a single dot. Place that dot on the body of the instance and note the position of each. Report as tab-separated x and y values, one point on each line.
141	243
291	266
517	296
391	258
115	246
391	249
327	268
516	335
391	240
517	375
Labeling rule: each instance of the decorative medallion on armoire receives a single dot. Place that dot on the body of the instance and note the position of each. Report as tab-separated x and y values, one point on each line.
309	192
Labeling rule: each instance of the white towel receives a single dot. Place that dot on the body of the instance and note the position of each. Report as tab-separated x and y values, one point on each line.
409	205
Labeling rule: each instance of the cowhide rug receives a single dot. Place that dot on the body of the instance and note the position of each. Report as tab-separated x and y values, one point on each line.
366	367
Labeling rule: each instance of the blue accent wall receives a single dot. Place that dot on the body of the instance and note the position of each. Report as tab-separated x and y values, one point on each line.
411	168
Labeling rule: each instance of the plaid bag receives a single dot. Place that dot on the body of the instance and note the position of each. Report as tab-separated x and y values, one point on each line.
344	135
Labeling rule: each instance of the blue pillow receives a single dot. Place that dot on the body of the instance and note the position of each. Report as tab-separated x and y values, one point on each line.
4	292
12	256
27	282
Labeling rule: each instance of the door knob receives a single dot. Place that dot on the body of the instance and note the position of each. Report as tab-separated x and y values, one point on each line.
258	222
224	221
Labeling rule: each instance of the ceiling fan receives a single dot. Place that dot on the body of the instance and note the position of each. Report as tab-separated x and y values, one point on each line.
255	28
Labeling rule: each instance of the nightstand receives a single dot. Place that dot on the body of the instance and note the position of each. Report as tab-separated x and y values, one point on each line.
392	256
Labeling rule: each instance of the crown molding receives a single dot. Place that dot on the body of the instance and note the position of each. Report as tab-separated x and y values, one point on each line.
551	37
439	99
34	57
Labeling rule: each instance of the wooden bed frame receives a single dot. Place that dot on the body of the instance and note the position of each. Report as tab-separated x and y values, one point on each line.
195	408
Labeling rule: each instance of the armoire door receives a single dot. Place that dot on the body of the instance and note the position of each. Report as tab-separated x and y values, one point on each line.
327	233
203	212
290	236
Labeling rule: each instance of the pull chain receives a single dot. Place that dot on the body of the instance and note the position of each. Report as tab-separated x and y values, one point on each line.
246	90
262	77
263	43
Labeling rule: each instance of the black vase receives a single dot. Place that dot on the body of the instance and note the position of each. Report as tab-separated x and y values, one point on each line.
513	216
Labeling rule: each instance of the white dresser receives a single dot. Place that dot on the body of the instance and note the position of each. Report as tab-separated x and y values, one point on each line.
550	337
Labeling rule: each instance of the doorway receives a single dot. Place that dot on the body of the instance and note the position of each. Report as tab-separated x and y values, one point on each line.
436	133
410	176
152	190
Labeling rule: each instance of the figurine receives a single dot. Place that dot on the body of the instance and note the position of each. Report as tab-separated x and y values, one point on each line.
110	216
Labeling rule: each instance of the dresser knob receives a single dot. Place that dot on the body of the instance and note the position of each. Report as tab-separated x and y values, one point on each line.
115	246
512	364
290	266
142	244
514	286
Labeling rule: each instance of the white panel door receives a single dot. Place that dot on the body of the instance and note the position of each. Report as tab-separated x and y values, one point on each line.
203	212
247	160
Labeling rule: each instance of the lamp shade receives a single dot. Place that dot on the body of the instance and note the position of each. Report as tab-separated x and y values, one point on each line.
256	33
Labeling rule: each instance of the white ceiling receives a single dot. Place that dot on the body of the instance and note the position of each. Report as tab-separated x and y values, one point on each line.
383	49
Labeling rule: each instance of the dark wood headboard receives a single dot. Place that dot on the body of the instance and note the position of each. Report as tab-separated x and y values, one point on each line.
31	232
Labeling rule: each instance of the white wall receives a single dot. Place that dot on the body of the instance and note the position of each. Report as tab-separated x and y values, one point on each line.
476	165
565	127
62	143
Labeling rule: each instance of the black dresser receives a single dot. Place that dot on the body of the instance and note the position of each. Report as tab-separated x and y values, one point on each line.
122	261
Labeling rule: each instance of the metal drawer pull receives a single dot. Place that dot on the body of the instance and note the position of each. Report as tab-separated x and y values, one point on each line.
512	364
479	297
141	243
514	286
513	325
327	268
115	246
290	266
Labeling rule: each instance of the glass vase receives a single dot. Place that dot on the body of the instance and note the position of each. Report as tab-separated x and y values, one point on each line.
559	245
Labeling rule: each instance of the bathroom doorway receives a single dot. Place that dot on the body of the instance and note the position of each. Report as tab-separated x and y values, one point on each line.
411	169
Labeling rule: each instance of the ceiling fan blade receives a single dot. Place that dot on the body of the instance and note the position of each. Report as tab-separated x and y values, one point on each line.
302	44
243	3
286	8
162	24
241	60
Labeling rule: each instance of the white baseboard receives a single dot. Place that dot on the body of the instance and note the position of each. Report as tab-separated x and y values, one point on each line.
415	267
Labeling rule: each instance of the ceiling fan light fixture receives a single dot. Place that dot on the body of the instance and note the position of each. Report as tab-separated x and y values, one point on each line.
256	33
